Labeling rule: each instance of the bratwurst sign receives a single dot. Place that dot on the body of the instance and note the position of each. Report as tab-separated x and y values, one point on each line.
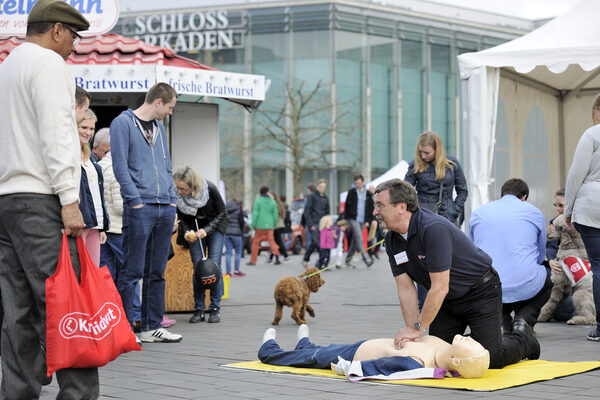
102	14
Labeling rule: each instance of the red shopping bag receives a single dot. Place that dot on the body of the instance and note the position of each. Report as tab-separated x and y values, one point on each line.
86	325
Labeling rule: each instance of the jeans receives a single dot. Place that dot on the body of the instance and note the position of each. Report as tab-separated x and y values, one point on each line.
356	244
591	240
233	243
480	309
146	238
214	242
30	241
111	255
306	354
314	243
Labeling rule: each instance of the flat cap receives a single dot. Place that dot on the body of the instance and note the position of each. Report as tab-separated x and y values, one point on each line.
57	11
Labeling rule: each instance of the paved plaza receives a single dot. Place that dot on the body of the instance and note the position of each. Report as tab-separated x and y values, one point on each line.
353	304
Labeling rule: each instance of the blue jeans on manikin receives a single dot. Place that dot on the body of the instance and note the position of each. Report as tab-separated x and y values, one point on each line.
233	243
111	255
306	354
146	238
214	242
591	240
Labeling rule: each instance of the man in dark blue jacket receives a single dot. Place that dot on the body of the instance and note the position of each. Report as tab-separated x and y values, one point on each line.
142	166
358	211
317	206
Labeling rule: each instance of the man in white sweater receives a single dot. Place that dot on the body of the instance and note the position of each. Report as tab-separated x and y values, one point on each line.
39	192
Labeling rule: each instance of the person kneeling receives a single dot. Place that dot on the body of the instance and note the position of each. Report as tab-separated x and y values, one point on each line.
379	356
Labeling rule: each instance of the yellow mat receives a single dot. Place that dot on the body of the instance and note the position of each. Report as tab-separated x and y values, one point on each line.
514	375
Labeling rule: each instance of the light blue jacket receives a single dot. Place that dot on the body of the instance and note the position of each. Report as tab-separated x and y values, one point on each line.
143	171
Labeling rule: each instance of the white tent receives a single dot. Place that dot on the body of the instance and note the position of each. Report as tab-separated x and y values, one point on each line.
554	68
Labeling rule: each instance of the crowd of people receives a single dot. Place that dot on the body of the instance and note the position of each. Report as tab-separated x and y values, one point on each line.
116	189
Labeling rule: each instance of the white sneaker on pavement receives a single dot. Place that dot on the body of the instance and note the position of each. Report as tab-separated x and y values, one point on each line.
269	334
160	335
302	331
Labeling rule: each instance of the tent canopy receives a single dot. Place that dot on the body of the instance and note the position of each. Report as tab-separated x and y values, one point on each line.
561	58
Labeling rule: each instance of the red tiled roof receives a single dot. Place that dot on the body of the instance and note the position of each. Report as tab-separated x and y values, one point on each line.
112	48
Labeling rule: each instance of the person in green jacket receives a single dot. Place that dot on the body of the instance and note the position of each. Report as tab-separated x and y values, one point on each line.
264	219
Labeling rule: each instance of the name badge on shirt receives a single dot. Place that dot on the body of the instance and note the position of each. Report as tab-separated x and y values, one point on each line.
401	258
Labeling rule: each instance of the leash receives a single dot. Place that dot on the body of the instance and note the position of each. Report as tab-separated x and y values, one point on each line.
332	265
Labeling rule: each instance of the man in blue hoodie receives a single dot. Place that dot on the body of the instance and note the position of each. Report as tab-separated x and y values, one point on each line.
142	166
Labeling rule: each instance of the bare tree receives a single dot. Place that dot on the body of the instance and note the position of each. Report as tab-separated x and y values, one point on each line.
301	126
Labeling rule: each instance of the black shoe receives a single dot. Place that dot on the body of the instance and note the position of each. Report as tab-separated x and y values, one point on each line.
197	317
369	262
521	327
137	326
214	317
45	380
277	262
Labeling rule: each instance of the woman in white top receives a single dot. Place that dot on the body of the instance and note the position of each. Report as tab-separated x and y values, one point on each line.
581	201
91	192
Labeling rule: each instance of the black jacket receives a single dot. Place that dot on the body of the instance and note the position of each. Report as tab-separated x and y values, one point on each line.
211	217
317	207
350	210
428	188
235	215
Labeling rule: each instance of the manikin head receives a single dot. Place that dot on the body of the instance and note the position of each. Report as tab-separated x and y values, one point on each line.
469	358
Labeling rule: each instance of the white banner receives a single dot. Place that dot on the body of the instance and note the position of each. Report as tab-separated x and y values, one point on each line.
102	14
195	82
198	82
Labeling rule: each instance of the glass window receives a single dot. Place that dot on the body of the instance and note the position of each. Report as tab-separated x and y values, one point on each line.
411	85
442	105
350	95
383	105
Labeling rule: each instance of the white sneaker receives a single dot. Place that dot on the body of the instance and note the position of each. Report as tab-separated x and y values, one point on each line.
302	331
160	335
269	334
137	340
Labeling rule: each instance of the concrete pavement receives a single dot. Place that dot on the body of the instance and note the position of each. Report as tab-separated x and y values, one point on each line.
352	305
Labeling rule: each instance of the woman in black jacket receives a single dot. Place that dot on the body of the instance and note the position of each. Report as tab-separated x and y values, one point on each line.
435	177
200	208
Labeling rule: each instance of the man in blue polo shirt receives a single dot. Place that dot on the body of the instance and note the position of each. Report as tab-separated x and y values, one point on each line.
464	289
513	232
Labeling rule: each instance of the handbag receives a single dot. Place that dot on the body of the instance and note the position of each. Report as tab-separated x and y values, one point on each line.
86	325
437	208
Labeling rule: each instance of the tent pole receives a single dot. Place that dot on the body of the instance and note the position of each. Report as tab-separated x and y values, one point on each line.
561	136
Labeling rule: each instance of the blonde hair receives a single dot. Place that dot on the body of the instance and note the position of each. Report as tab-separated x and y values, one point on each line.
474	366
440	162
85	147
190	177
323	222
595	106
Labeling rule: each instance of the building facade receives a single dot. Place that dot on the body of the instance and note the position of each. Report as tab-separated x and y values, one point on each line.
353	83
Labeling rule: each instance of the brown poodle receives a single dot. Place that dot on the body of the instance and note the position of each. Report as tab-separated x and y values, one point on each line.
294	291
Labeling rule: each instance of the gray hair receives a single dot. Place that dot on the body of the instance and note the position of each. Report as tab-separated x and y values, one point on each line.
400	192
103	135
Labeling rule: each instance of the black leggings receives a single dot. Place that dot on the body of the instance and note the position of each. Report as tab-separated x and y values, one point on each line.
279	240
